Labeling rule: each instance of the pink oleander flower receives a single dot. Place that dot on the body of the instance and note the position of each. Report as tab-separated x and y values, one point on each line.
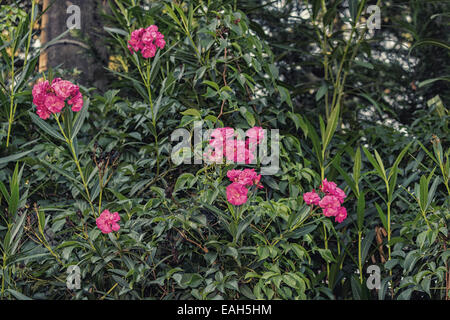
76	102
331	212
311	198
257	182
53	103
43	112
234	175
327	187
135	43
51	98
331	201
64	89
40	91
328	202
107	222
149	51
246	177
339	194
341	215
146	40
237	194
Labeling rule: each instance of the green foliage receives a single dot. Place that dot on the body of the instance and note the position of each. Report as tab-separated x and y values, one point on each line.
232	64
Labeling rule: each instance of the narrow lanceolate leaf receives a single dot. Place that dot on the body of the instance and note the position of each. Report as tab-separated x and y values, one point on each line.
351	183
309	131
399	159
392	184
18	295
15	157
357	168
46	127
81	116
432	42
360	209
41	220
14	187
380	163
423	198
373	162
331	128
382	216
432	190
4	192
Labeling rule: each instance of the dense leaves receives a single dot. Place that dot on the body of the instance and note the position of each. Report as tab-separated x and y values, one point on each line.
364	108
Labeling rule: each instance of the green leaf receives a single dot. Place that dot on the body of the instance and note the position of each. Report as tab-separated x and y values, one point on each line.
15	157
46	127
18	295
117	31
326	255
381	215
423	198
41	220
432	42
192	112
185	178
331	128
430	81
399	159
212	84
360	209
380	163
79	120
357	167
374	163
321	92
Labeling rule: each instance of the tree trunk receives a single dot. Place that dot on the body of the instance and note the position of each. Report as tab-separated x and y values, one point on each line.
81	49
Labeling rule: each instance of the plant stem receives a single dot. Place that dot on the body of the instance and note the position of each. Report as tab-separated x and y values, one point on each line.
360	257
326	248
3	273
147	84
27	49
77	162
12	106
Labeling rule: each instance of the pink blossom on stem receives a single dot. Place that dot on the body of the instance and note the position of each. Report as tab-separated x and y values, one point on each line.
311	198
146	40
342	214
329	202
237	194
107	222
327	187
53	103
51	98
339	194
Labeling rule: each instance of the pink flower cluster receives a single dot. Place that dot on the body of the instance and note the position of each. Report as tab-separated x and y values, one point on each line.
107	222
146	40
51	98
333	198
224	143
237	191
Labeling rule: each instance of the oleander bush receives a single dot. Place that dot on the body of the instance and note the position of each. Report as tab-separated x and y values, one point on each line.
94	179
